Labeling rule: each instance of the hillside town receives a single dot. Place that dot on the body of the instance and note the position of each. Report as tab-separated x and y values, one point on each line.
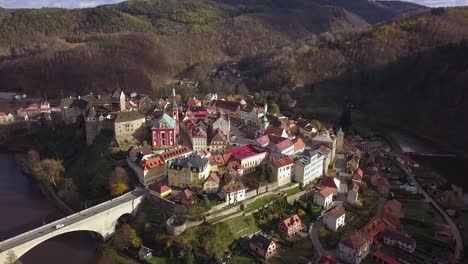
346	196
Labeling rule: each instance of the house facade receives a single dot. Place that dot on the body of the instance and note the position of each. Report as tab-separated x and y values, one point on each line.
233	193
399	239
353	248
335	218
262	246
324	197
290	225
282	169
189	172
308	168
163	132
249	156
211	184
129	127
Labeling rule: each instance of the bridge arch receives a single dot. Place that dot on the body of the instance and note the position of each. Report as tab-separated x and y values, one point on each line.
101	219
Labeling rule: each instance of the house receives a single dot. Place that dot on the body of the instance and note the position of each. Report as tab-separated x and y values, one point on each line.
395	207
189	172
252	115
308	167
324	198
262	246
233	193
399	239
326	139
230	108
443	232
183	197
353	194
332	182
6	118
282	169
211	184
217	142
276	144
276	131
352	163
222	124
150	169
144	253
129	127
220	163
173	154
335	218
163	132
353	248
193	101
299	145
199	139
160	190
290	226
327	153
306	129
249	156
358	175
374	229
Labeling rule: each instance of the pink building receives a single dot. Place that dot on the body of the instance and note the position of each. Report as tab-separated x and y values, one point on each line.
290	226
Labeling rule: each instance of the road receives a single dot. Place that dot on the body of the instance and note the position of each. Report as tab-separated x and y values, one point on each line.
314	234
448	219
74	218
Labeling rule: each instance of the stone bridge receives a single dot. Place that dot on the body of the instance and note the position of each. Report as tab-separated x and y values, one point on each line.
101	219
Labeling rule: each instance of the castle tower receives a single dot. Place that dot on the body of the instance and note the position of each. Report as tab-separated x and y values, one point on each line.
265	122
175	110
339	140
122	102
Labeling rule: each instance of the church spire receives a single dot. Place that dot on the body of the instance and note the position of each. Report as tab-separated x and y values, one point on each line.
174	103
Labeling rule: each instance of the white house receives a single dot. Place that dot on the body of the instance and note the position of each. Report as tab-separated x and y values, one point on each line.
233	193
354	247
282	169
324	197
308	168
249	156
335	218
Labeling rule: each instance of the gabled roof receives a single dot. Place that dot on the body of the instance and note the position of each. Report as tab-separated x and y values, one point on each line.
337	212
159	188
374	228
274	130
327	259
220	159
191	162
233	106
246	151
395	203
233	187
298	144
169	122
358	173
282	162
128	117
327	191
291	221
213	177
328	181
355	240
174	153
382	181
152	163
261	241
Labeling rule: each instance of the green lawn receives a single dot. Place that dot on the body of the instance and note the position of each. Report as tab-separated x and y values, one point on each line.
293	191
242	225
261	202
300	248
156	260
422	211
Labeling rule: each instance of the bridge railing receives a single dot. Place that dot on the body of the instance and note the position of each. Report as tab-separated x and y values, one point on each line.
52	224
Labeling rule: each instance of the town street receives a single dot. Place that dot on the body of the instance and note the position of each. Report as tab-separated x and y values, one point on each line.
314	234
451	223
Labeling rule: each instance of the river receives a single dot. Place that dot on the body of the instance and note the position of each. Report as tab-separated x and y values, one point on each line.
24	207
454	169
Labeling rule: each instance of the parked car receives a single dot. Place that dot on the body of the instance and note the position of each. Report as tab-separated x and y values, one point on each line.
59	226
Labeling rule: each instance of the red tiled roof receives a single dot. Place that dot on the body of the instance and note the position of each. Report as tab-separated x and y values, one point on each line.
337	212
389	219
291	220
374	228
152	163
327	191
382	181
395	203
298	144
355	240
273	130
3	114
358	172
213	177
220	159
233	187
175	153
193	101
281	162
157	187
246	151
328	181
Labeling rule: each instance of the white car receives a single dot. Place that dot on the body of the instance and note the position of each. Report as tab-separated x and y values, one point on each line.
59	226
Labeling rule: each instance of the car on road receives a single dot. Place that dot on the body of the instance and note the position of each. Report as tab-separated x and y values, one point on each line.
59	226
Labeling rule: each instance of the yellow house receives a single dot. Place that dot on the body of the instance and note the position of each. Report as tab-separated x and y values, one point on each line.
189	172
